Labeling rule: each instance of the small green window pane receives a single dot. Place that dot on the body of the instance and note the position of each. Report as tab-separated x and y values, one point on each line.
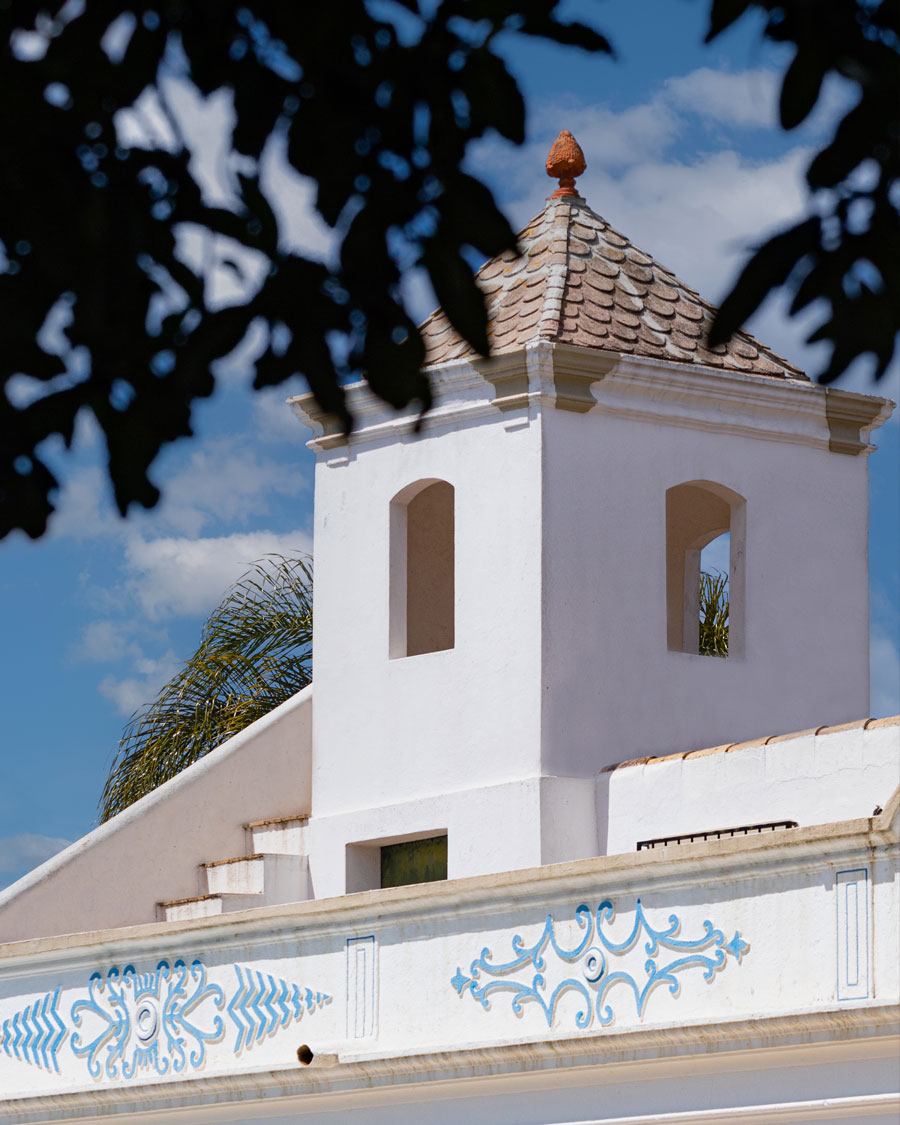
414	861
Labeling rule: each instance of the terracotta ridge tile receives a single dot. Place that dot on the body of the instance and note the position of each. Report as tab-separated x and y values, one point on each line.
857	724
877	724
790	737
557	277
631	762
755	743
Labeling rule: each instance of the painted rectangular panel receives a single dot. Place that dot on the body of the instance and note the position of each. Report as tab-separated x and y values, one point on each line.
852	909
361	992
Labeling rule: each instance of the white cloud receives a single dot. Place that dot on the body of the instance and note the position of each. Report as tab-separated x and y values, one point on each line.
185	576
205	124
747	98
236	368
273	419
300	226
701	218
232	273
884	663
19	854
225	479
84	509
131	692
105	642
418	294
611	140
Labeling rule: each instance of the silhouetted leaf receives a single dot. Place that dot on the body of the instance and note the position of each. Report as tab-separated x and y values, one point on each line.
770	266
457	293
572	34
723	14
468	212
490	87
801	86
848	148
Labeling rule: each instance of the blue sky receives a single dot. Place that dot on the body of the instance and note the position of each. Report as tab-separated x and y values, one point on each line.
683	156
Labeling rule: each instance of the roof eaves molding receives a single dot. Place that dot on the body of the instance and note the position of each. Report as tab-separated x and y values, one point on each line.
548	374
851	418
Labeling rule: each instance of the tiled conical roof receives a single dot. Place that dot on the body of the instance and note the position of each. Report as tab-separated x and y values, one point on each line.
578	281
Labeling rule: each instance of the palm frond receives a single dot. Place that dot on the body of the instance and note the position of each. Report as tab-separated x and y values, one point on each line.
255	652
714	611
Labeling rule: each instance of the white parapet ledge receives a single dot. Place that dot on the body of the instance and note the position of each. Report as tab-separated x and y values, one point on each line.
795	849
561	376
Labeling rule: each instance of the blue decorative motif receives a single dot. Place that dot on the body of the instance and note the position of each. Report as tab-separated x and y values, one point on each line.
147	1020
707	952
35	1033
161	1020
261	1004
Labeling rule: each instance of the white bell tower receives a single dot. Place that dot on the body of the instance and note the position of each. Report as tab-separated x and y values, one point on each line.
507	601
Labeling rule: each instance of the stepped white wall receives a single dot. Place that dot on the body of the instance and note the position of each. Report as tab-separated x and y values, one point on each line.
152	850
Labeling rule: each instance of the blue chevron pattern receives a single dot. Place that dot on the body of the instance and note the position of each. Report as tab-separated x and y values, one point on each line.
34	1034
262	1003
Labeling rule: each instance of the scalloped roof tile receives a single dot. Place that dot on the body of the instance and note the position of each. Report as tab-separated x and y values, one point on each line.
578	281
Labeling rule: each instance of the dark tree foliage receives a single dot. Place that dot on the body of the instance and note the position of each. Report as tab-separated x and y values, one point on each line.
848	251
376	102
380	122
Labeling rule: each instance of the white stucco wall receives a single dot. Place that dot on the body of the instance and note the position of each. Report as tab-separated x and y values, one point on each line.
388	731
150	852
560	665
613	690
811	779
535	821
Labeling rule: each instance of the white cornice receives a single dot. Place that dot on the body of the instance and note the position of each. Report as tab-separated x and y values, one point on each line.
562	376
701	1048
733	402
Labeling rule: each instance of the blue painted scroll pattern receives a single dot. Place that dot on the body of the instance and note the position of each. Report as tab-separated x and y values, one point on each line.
160	1021
147	1020
35	1033
594	953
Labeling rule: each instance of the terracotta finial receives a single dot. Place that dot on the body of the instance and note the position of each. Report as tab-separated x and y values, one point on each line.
565	162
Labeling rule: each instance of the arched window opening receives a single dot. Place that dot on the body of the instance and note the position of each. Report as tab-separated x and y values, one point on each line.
422	569
705	532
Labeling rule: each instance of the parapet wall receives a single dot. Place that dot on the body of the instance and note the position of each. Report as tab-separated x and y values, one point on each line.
810	777
115	875
746	980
